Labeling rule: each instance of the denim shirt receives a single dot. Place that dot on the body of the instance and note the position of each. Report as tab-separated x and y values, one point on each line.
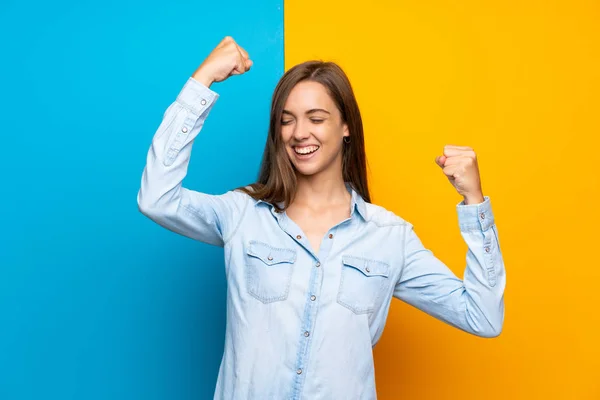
300	324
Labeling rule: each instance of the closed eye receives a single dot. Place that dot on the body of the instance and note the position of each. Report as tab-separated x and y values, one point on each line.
316	121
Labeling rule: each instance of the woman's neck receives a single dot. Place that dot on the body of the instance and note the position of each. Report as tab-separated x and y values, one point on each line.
318	191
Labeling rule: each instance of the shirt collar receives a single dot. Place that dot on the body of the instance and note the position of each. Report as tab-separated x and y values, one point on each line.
356	203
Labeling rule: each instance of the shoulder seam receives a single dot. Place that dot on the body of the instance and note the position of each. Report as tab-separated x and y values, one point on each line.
225	241
382	224
386	224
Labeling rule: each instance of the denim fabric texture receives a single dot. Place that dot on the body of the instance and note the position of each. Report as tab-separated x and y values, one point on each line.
302	325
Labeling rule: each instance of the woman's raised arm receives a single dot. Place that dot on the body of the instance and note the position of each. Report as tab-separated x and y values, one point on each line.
208	218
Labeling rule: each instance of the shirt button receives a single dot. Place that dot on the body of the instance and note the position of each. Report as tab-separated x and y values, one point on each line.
307	333
298	237
368	269
313	297
184	129
318	264
482	215
299	371
203	102
270	258
487	249
331	236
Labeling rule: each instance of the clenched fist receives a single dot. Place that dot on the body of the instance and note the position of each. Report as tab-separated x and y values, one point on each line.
459	164
227	59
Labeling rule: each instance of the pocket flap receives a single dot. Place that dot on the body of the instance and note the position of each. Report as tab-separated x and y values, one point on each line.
369	267
270	255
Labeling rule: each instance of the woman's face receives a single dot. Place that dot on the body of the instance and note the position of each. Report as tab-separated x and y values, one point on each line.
312	129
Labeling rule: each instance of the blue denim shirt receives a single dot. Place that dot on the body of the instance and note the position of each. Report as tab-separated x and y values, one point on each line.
301	325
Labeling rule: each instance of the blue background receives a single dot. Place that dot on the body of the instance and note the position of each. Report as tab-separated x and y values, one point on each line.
96	300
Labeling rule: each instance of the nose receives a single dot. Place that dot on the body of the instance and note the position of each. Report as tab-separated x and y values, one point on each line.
301	131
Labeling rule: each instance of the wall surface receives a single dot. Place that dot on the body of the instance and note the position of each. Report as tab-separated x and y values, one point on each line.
519	81
99	302
96	300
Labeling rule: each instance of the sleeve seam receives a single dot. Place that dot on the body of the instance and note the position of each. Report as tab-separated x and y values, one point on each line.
225	241
403	266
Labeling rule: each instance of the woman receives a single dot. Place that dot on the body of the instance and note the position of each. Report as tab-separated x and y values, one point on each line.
311	265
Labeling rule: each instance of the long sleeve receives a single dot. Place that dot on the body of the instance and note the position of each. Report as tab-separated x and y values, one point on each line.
208	218
474	304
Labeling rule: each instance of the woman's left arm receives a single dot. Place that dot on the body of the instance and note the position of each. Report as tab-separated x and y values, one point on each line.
474	304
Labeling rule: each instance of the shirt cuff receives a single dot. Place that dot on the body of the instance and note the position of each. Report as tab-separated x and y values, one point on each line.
475	216
195	96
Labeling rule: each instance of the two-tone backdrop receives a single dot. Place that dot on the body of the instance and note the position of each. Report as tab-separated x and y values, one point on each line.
98	302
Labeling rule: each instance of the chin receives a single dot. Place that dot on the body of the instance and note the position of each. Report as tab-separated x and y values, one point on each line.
306	170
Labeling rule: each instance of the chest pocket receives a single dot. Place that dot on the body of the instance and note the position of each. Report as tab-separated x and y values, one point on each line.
268	271
363	282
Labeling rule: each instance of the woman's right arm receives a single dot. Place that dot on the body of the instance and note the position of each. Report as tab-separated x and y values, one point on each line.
208	218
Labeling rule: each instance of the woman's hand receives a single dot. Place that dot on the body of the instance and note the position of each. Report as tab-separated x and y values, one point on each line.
227	59
459	164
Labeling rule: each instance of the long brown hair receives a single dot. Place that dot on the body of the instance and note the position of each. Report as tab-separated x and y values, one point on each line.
277	178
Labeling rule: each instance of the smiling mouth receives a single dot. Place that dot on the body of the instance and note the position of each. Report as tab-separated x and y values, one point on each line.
305	150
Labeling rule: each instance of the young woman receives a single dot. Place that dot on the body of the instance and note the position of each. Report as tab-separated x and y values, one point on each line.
311	264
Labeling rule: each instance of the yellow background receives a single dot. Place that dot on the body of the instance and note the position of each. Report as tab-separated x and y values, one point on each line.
520	83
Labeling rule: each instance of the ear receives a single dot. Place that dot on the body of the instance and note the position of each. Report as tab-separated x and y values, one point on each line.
346	130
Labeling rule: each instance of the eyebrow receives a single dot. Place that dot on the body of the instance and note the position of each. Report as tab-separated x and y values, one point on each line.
312	110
